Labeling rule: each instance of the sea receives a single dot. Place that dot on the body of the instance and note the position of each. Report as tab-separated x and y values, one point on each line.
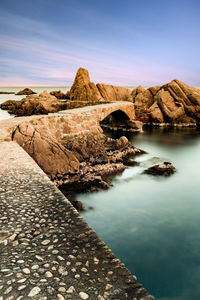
151	223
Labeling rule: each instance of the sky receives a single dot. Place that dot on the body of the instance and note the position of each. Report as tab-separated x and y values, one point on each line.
120	42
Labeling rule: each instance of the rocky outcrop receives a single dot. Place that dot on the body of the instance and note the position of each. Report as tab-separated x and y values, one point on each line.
60	95
143	100
83	89
114	93
34	105
50	155
174	103
26	92
164	169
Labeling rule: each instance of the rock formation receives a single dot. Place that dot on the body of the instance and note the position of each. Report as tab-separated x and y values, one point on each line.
114	93
60	95
26	92
174	103
164	169
83	89
50	155
42	104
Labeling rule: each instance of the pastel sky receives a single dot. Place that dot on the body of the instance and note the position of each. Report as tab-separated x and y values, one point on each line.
120	42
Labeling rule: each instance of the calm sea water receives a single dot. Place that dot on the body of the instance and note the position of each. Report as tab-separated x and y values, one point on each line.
151	223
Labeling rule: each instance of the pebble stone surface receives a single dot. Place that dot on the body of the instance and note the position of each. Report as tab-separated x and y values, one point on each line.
47	250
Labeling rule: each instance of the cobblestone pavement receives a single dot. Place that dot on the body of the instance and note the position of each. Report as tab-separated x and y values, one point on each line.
47	250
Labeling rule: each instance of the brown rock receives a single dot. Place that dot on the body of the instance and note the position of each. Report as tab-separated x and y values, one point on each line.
113	93
83	89
51	156
155	113
154	89
168	107
26	92
59	95
42	104
143	100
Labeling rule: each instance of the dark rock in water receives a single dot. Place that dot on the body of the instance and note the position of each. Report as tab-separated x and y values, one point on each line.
6	93
164	169
77	204
26	92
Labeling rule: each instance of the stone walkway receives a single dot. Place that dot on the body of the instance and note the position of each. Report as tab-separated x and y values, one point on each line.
47	250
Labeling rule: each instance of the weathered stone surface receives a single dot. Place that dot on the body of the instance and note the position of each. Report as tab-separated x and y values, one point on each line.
51	156
83	89
167	104
174	103
143	100
114	93
155	113
26	91
42	104
60	95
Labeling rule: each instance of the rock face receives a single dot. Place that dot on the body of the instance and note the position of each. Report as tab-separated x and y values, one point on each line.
114	93
164	169
34	105
26	92
83	89
60	95
174	103
50	155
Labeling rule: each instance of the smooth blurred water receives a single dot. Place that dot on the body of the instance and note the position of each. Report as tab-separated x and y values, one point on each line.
153	223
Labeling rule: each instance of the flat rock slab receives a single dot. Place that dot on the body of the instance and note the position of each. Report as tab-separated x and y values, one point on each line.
47	250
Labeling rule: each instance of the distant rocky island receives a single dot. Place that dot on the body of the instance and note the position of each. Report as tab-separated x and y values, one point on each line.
173	104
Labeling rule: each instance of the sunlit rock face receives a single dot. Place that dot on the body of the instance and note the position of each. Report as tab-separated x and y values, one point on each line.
175	102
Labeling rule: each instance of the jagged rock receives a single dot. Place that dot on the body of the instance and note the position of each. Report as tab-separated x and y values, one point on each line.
114	93
60	95
175	103
165	169
154	89
167	104
143	100
34	105
155	113
50	155
83	89
26	92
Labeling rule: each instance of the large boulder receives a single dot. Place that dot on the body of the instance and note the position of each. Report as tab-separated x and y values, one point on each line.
34	105
60	95
114	93
49	154
170	109
83	89
26	91
143	100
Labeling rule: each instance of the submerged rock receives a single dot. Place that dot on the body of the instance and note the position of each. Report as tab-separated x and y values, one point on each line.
6	93
164	169
26	91
34	105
